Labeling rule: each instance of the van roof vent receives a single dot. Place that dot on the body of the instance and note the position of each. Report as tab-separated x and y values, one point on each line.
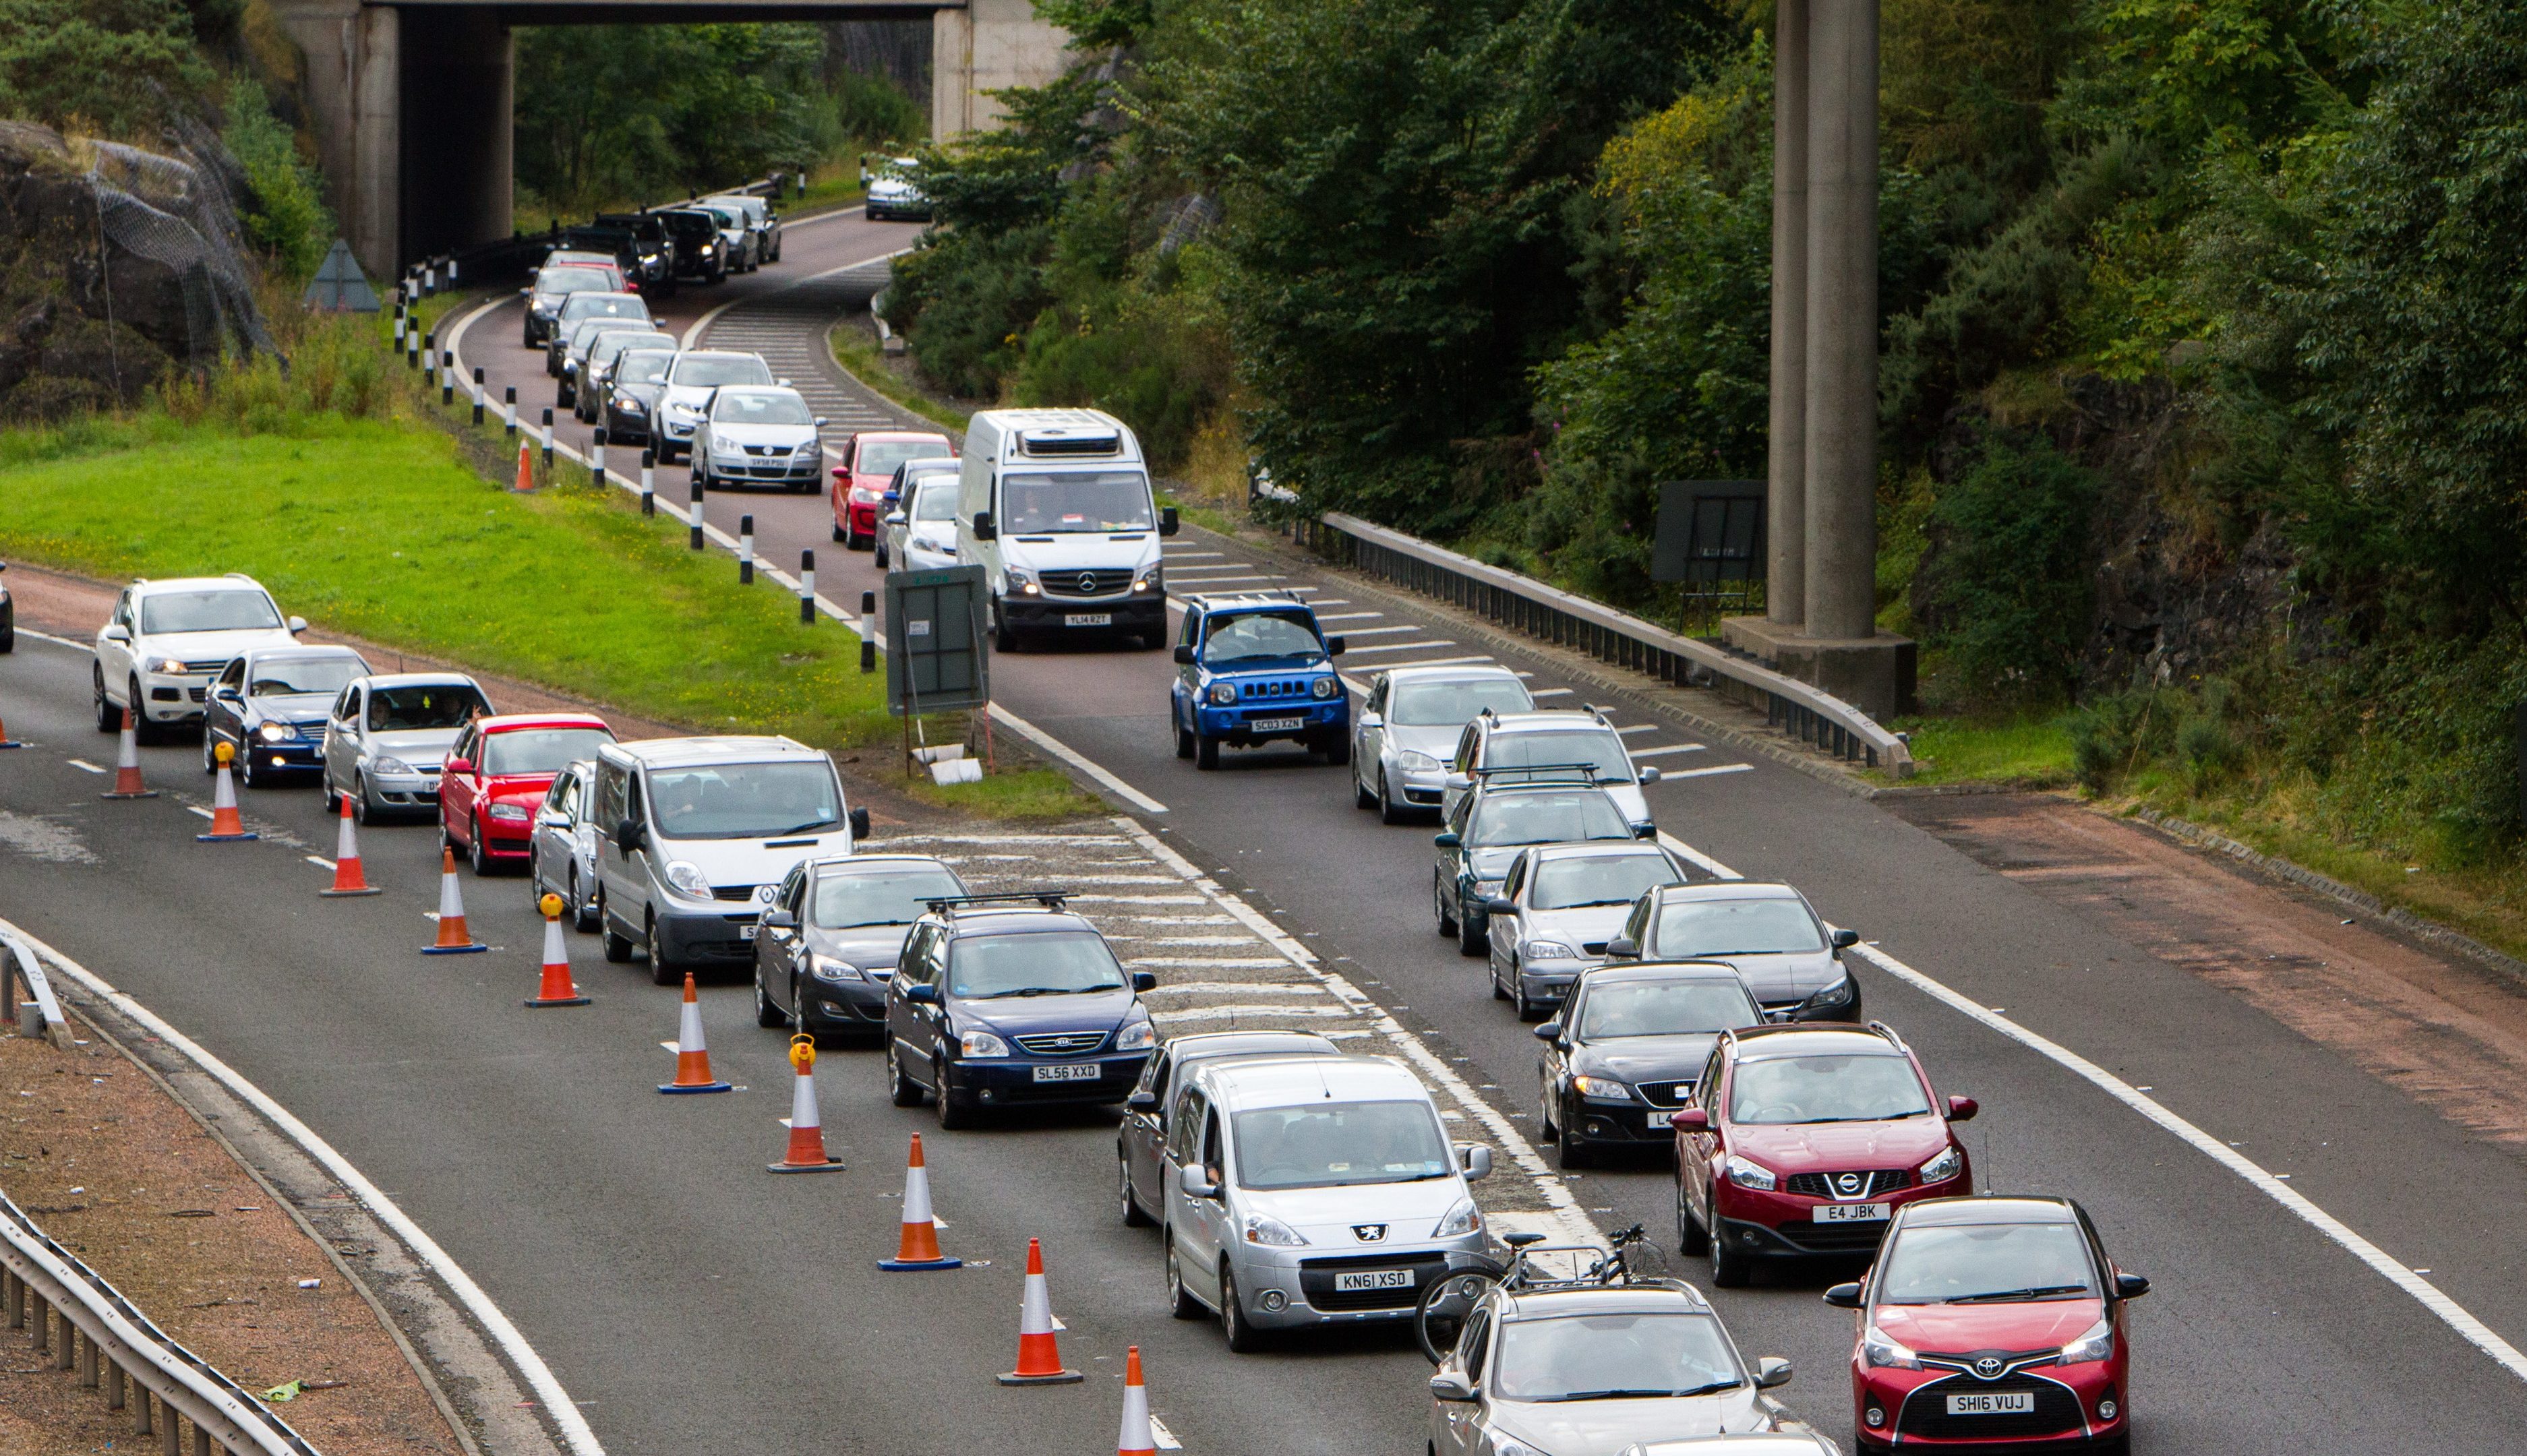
1075	439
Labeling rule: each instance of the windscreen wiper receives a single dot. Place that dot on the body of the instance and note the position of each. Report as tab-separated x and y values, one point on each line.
1661	1393
2007	1296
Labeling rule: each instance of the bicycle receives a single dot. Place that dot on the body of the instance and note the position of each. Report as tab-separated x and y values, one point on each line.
1440	1316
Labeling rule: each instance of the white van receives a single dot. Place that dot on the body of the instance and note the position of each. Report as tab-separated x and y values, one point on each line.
1055	504
694	834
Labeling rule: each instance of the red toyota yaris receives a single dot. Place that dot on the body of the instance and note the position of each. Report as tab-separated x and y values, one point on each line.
499	771
1994	1321
1803	1139
869	459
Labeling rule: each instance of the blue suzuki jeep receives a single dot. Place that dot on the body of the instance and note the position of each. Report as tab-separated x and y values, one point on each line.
1252	667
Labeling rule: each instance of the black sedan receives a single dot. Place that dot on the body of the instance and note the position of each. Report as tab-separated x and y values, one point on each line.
271	704
634	394
695	234
830	938
1627	1048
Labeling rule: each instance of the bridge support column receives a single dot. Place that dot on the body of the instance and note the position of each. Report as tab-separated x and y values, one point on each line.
990	45
353	84
457	86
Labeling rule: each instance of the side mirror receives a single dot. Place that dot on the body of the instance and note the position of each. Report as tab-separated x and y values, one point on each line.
1475	1159
921	992
116	632
1845	940
1184	656
1549	1031
1963	1109
226	694
1370	720
1451	1387
895	518
1144	981
1460	780
984	530
1334	646
1844	1296
820	421
1448	840
2129	1286
780	920
1690	1120
1623	949
1649	775
457	766
1195	1182
1500	905
860	821
628	833
1166	520
1770	1372
1142	1102
891	496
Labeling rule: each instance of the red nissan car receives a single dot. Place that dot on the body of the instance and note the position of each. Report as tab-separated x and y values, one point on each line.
869	459
1991	1321
499	771
1803	1138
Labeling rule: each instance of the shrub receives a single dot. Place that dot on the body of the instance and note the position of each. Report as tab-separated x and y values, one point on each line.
2003	588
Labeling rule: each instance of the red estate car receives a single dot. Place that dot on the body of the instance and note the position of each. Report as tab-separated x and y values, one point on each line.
1991	1320
499	771
869	461
1803	1139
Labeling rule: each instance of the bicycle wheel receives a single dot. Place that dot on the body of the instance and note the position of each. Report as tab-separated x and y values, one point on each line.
1444	1306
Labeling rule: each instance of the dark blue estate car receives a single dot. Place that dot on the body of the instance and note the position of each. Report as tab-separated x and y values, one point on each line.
1012	1001
1253	668
271	704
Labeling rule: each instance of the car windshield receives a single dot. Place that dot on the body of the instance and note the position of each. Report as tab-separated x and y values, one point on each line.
1545	817
1256	635
584	333
643	366
688	226
1872	1087
1040	963
610	306
1078	500
881	456
307	674
1598	747
935	499
216	610
539	750
428	705
1600	880
1736	928
1665	1007
746	801
1337	1144
1450	704
1986	1264
742	369
762	409
1614	1357
617	341
557	281
848	899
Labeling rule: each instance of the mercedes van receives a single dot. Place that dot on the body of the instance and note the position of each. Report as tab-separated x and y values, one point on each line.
1055	504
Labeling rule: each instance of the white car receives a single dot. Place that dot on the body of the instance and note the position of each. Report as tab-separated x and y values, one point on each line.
759	436
1409	726
760	221
157	654
561	859
892	193
1552	739
387	738
920	534
695	373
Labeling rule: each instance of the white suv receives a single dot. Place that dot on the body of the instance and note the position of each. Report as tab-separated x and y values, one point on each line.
167	640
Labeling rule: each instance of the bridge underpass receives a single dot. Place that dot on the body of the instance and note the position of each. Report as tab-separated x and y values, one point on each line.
411	100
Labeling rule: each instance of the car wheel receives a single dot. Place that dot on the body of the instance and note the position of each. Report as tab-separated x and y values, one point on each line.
109	718
1528	1008
1180	1301
901	1089
1690	1237
881	553
332	800
477	858
1544	1110
1206	753
1473	937
561	396
1572	1152
838	533
1390	809
1439	904
363	813
210	756
1337	749
1005	638
1184	741
1362	796
1133	1217
1729	1271
954	1116
583	911
143	729
1500	990
662	971
245	771
765	1013
616	945
1243	1337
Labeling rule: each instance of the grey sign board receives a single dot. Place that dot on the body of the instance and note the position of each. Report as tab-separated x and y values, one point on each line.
935	658
1709	532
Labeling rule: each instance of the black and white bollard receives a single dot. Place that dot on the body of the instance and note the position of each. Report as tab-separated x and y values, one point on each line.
807	588
477	395
448	377
596	460
868	631
402	323
547	442
696	519
428	356
648	483
746	551
509	411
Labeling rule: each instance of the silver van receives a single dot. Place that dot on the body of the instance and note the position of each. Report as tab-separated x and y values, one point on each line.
693	834
1309	1190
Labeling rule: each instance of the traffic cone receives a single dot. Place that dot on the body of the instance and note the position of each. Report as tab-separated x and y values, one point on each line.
453	939
807	1132
526	469
226	826
693	1058
126	766
1039	1359
347	879
918	1249
557	989
1137	1437
5	741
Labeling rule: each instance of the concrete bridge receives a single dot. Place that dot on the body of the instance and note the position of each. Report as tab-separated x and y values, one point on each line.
412	98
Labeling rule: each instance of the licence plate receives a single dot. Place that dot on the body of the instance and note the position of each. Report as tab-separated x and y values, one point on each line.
1088	619
1659	1121
1068	1071
747	932
1277	725
1852	1213
1372	1278
1993	1403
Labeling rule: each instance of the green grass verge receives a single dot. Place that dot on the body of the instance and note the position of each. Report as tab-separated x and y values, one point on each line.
2031	752
858	355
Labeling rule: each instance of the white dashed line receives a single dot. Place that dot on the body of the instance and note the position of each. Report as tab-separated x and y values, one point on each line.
1707	773
1670	748
85	766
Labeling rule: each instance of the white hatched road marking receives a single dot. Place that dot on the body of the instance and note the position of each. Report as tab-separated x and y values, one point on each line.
1407	646
1707	773
1670	748
83	764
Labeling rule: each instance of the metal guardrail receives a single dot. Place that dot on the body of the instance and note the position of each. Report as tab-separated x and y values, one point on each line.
18	964
1529	606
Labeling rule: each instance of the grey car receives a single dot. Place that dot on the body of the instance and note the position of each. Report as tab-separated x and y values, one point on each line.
1409	726
1140	1143
1557	906
595	370
759	436
580	343
760	221
554	284
691	381
580	307
1790	958
561	858
387	737
1498	741
833	933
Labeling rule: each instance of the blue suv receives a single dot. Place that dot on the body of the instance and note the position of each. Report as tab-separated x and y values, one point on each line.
1253	668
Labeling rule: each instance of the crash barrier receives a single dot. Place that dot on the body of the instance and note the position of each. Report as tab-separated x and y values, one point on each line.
1807	713
21	976
112	1344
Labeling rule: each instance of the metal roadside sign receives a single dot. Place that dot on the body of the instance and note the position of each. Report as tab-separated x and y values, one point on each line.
935	658
1709	532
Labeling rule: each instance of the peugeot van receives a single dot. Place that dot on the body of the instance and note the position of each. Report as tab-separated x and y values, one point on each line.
1055	504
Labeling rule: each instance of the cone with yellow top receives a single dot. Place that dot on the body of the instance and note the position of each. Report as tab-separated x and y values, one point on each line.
227	827
807	1132
557	989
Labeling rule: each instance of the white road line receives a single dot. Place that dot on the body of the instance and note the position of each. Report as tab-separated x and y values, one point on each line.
1407	646
704	321
1165	1439
1372	631
1670	748
317	858
1172	554
1077	760
1435	662
1704	862
1550	692
1348	616
1707	773
83	764
538	1377
1641	727
197	809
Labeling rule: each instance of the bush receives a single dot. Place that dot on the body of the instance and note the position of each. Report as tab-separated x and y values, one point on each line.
287	214
2004	585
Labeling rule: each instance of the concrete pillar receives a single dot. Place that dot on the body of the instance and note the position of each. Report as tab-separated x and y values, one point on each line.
457	84
1842	319
1785	519
350	80
989	45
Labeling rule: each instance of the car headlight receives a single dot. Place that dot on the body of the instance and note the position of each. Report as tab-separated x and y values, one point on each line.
1947	1164
1138	1037
510	813
1460	1219
826	968
722	444
1272	1233
1876	1350
682	410
1607	1087
629	404
391	766
1837	994
1326	687
1411	762
982	1044
2099	1343
1224	694
1022	579
167	665
1547	950
1148	581
688	876
1486	888
275	733
1748	1174
710	250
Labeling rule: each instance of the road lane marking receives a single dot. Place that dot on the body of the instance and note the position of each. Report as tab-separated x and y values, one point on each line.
1664	775
85	765
1436	662
1370	631
1670	748
1348	616
1405	646
1077	760
320	860
1550	692
1165	1439
197	809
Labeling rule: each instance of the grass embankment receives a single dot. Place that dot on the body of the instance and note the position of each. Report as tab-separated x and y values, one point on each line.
857	350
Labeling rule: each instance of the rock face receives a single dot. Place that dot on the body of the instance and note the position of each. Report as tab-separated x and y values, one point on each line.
117	265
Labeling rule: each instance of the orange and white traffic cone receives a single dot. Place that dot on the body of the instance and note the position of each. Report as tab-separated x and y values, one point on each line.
526	469
918	1248
807	1130
5	741
558	989
126	766
453	939
348	876
1138	1440
1039	1357
693	1058
226	826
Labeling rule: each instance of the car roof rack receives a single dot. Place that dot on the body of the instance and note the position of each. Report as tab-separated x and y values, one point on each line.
1274	595
1050	899
1589	770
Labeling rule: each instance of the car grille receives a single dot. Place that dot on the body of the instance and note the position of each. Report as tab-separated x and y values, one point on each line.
1925	1409
1665	1093
1316	1281
1833	1238
1277	690
197	694
784	451
732	892
211	665
1818	1184
1592	948
1062	1043
1102	581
